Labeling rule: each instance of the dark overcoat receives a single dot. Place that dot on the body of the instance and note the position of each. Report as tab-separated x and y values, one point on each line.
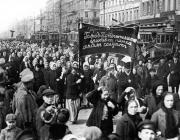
126	128
73	89
97	112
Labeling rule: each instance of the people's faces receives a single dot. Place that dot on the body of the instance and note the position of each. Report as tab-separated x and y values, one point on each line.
105	95
175	59
147	134
37	68
134	71
168	101
132	108
50	99
73	71
11	124
159	90
140	62
162	61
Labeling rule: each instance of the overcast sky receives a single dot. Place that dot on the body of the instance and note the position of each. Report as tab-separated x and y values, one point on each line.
14	10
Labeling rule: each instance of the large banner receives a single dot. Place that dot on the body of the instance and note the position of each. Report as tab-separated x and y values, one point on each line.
95	39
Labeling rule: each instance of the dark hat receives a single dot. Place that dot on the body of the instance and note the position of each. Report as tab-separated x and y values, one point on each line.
146	124
47	92
127	65
63	115
10	117
152	70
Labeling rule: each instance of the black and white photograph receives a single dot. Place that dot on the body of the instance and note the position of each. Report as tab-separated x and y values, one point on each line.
89	69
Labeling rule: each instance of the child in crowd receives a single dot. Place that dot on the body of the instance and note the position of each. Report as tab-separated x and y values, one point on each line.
11	131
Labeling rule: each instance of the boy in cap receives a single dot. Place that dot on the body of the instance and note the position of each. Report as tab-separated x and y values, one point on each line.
147	130
48	96
11	131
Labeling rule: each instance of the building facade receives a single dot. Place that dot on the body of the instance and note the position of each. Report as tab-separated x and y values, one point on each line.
161	16
74	11
118	11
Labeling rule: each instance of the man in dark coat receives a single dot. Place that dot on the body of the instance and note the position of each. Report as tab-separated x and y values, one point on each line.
45	71
38	77
72	94
174	79
103	111
163	71
24	102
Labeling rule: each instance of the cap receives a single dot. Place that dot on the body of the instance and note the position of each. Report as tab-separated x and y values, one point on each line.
48	92
152	70
26	76
146	124
10	117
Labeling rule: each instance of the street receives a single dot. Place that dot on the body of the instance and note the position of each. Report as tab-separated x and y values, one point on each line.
78	128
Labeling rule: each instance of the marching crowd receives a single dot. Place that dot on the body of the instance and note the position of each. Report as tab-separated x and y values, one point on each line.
43	88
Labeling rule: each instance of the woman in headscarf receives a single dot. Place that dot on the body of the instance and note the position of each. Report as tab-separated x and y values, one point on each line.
153	101
167	119
126	126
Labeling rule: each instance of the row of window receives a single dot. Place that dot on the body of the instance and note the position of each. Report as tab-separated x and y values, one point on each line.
87	14
161	38
156	6
109	3
122	16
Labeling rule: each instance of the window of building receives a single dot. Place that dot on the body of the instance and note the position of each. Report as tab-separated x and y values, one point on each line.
152	7
148	8
95	14
169	5
130	15
86	14
109	18
116	16
143	7
119	16
157	6
135	15
137	12
123	17
112	2
163	5
127	16
158	38
162	38
112	16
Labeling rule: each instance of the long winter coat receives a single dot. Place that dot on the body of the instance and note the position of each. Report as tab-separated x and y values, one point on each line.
73	89
159	118
24	107
126	128
97	112
175	77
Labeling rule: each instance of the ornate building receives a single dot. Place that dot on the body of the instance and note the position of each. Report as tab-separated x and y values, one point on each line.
74	11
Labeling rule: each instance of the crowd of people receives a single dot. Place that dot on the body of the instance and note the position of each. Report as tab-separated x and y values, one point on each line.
43	88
